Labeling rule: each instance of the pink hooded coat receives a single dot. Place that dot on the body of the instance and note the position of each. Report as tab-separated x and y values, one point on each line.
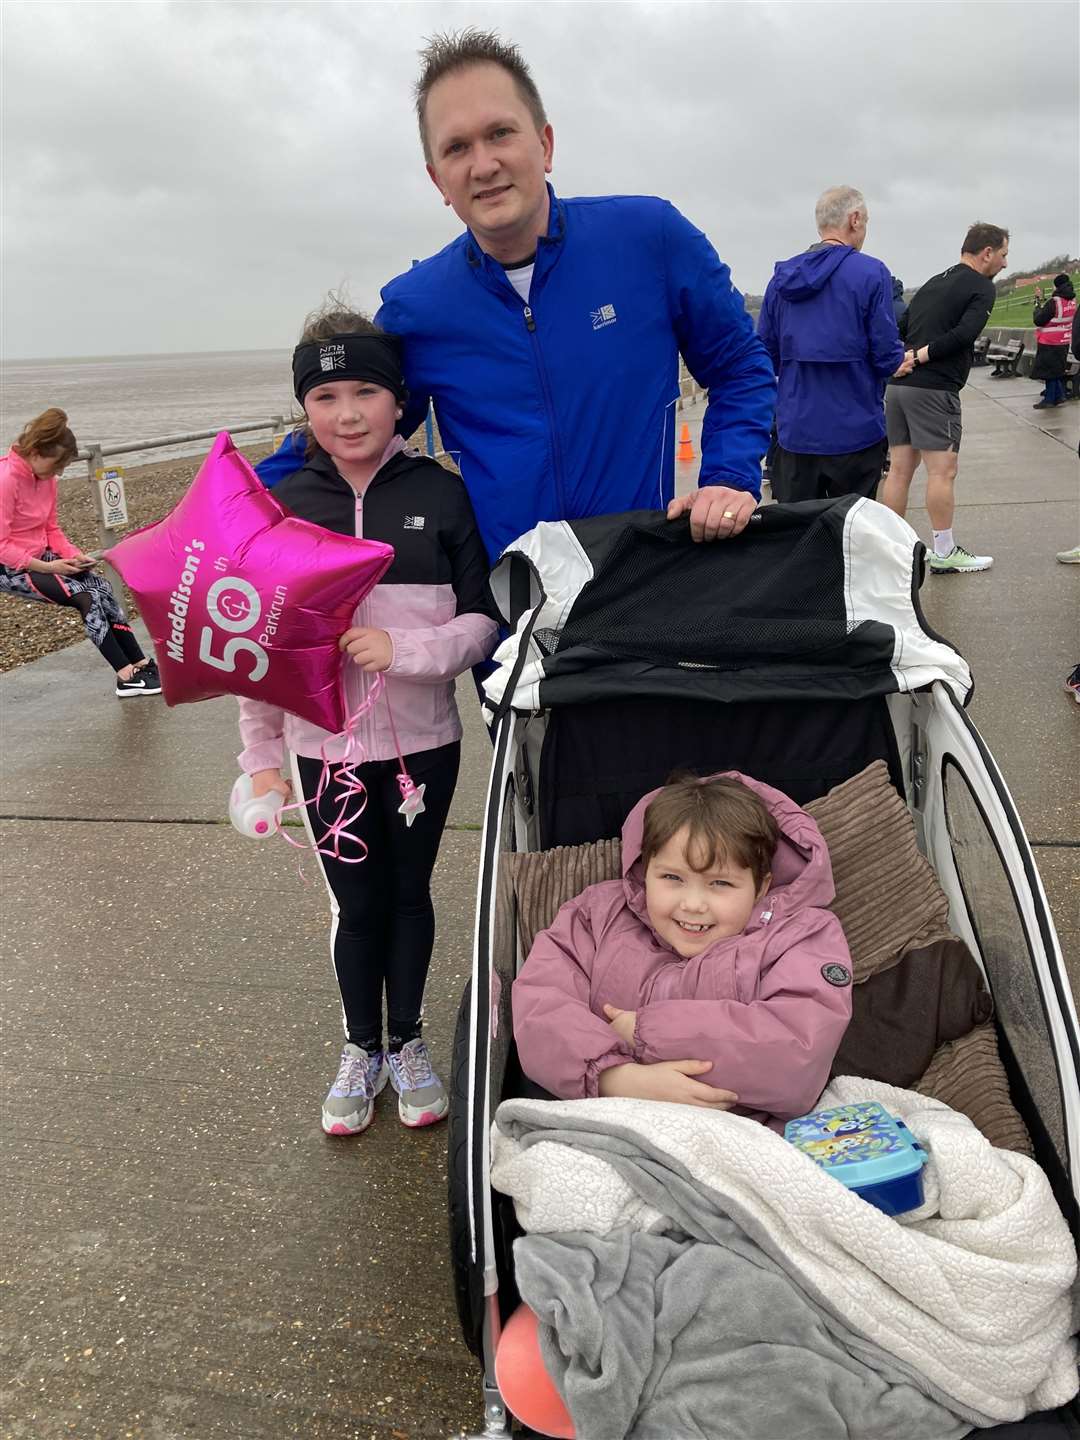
768	1007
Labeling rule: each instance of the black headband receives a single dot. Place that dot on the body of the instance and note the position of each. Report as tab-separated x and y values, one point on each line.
349	357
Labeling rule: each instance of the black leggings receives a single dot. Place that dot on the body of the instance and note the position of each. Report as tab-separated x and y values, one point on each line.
383	925
92	596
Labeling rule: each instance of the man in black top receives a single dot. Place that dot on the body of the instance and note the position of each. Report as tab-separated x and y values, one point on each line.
922	410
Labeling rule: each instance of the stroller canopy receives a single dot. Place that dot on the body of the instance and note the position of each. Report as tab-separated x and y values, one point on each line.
814	600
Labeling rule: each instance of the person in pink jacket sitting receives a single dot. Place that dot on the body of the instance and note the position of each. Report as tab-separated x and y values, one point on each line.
427	621
710	974
39	562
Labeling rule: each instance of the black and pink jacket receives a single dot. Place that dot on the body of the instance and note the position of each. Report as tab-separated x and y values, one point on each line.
433	602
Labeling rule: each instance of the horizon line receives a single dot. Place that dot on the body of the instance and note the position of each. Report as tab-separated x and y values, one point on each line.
145	354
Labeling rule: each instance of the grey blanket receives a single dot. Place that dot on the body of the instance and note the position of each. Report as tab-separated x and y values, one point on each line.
702	1335
656	1338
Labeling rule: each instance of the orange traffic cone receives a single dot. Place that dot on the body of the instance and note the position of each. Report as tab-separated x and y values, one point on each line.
685	450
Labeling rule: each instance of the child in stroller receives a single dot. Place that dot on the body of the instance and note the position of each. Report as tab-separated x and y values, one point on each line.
710	974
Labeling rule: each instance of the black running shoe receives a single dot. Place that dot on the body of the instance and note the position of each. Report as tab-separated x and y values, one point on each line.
146	681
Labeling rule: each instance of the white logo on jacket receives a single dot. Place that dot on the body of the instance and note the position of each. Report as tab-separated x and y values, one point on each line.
413	522
602	317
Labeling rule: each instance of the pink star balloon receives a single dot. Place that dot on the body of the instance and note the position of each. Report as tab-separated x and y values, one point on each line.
242	598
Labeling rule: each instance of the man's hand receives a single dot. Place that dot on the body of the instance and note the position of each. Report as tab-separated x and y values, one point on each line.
367	647
716	511
906	365
622	1022
670	1080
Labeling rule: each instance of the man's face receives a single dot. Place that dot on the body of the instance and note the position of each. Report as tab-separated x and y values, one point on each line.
996	260
488	159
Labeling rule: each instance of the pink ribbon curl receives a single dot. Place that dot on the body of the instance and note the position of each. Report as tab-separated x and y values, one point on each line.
352	801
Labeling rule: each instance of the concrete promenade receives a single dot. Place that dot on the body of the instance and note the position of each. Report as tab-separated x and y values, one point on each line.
186	1255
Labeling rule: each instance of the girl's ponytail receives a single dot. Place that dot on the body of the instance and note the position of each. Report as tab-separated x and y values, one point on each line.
47	434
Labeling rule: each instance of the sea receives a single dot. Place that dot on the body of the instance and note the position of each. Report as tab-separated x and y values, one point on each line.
122	399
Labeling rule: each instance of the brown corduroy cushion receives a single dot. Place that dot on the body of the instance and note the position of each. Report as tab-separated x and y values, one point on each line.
887	896
904	1013
967	1075
546	879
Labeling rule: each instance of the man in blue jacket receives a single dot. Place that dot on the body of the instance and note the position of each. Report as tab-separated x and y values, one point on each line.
828	323
549	334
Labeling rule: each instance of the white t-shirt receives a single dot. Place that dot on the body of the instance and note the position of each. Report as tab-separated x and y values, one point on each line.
521	279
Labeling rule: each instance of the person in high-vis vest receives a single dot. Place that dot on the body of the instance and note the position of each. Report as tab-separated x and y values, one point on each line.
1053	319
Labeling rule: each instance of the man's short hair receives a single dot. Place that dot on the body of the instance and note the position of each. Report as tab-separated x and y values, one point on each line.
980	236
836	204
458	49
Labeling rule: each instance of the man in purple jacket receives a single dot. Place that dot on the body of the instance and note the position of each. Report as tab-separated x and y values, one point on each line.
827	321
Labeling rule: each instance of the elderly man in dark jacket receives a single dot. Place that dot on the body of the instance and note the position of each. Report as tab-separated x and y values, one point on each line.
827	322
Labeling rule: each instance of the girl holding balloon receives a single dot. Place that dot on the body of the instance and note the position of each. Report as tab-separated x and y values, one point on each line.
425	623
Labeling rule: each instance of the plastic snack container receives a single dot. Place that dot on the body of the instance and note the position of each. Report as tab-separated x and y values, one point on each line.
866	1149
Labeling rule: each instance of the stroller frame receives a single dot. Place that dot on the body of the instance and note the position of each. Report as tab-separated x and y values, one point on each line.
968	828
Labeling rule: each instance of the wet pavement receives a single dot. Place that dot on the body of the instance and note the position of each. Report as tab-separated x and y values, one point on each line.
187	1255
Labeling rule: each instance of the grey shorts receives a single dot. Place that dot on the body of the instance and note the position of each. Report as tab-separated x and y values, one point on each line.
926	419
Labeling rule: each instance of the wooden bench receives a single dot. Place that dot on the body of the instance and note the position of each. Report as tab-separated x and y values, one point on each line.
981	346
1005	358
1072	379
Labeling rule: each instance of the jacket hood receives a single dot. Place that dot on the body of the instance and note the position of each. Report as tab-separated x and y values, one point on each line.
803	276
801	869
1065	290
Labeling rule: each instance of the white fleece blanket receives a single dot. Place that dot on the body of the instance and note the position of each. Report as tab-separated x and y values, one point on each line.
972	1290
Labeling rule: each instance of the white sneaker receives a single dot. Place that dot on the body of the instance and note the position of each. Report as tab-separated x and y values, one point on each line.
1069	557
959	562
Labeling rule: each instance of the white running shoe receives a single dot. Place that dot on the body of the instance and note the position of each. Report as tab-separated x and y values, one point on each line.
959	562
1069	557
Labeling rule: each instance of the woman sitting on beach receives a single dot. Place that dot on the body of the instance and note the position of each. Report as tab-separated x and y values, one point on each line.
39	562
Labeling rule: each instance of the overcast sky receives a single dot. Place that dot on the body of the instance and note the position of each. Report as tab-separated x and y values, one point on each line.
194	176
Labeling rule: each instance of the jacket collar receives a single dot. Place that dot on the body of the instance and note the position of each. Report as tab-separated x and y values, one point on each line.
548	250
20	465
323	465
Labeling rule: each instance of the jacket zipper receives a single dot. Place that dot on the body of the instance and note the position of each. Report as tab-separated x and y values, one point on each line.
556	448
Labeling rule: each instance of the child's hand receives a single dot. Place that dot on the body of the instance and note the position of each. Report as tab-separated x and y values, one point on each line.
263	781
670	1080
622	1022
370	648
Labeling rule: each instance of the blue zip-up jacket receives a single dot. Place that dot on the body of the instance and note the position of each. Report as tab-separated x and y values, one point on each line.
565	407
827	322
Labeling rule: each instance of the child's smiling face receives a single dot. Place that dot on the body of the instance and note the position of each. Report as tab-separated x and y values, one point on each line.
353	420
691	909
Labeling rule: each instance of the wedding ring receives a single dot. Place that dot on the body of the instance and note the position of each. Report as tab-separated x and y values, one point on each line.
729	514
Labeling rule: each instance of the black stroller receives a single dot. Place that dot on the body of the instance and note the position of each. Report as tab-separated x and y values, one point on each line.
796	653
